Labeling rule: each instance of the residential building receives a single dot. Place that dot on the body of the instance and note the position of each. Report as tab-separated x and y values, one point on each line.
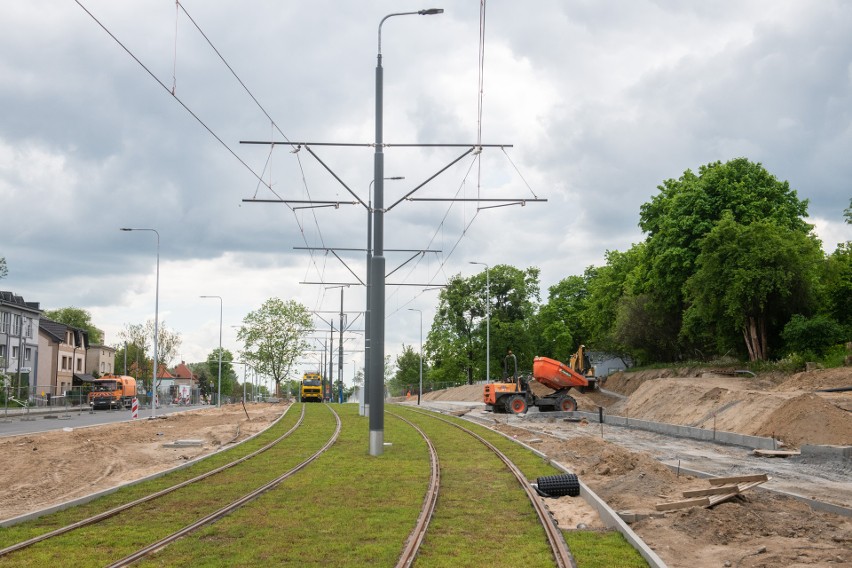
19	322
100	360
67	347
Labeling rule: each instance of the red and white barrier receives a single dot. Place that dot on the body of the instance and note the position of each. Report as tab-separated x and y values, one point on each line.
134	408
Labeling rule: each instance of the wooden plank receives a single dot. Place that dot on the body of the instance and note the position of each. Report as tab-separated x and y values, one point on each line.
742	488
776	453
712	491
737	479
672	505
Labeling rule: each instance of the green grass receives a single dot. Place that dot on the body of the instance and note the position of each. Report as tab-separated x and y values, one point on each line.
347	508
593	549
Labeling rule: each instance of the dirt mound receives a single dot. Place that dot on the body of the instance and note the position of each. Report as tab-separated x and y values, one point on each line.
809	419
465	393
821	379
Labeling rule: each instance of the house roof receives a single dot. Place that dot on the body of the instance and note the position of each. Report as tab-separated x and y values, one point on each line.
11	299
183	372
163	373
52	328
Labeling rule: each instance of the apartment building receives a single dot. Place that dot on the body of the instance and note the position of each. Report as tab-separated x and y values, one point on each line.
19	322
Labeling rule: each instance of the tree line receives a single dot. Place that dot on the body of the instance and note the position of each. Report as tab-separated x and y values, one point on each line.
729	268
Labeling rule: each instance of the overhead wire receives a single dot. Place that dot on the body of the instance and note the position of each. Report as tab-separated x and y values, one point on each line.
272	146
178	99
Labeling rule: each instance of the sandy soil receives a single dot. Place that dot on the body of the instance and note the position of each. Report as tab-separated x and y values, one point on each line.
42	470
758	528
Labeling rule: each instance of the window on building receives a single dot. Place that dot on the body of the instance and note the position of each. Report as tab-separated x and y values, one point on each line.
64	363
15	350
79	365
5	318
2	350
28	354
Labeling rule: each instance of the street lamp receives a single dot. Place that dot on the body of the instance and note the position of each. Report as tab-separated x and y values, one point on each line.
219	390
156	320
420	389
363	406
377	266
487	323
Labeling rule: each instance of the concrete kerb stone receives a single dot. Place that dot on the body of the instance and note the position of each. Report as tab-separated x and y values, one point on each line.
93	496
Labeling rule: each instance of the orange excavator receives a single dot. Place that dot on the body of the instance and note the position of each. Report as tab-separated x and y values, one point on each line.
514	395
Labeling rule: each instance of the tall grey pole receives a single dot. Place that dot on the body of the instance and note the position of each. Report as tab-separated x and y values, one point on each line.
156	321
420	389
377	268
487	323
363	405
219	389
340	354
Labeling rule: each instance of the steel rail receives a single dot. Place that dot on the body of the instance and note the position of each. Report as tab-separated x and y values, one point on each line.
430	500
561	554
121	508
224	511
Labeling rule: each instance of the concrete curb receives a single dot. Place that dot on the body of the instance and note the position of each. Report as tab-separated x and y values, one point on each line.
92	496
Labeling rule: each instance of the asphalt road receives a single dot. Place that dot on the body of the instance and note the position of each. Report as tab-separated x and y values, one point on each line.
14	422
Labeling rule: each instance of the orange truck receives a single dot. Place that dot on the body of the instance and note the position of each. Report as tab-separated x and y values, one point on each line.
113	391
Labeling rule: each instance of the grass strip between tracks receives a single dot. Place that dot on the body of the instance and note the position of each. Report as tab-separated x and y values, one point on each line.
346	509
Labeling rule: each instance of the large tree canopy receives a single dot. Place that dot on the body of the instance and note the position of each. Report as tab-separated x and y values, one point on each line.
686	210
273	337
4	270
457	343
76	317
751	278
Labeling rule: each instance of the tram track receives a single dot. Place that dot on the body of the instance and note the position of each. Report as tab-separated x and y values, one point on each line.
230	507
559	548
177	503
147	498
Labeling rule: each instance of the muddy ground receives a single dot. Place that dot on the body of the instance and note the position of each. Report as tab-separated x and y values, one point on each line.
43	470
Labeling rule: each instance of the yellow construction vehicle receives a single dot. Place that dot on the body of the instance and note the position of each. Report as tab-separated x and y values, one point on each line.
311	388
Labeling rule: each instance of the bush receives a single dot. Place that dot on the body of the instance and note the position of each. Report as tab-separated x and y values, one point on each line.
814	335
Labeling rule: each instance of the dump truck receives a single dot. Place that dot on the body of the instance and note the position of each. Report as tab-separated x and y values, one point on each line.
113	391
514	395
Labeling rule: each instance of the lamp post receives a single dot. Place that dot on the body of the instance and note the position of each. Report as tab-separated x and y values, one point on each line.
219	390
363	405
156	320
487	323
377	266
420	388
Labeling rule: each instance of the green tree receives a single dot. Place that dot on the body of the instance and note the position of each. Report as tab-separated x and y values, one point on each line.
4	270
273	337
837	284
141	336
560	320
686	210
407	372
76	317
607	285
813	335
848	213
457	342
230	383
206	381
132	359
750	279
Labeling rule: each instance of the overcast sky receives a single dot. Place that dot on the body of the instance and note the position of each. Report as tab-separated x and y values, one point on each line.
601	102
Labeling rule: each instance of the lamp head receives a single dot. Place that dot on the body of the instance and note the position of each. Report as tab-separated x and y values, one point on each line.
431	11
